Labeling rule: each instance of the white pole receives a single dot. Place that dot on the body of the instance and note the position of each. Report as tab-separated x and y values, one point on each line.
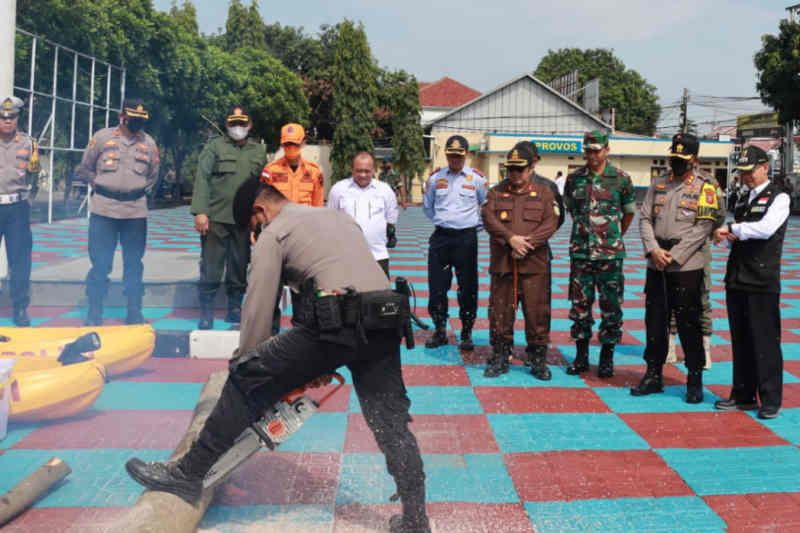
8	25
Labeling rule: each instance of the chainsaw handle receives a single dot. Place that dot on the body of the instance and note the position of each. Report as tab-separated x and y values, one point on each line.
291	395
337	377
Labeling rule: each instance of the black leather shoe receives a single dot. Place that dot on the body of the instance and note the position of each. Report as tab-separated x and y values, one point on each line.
439	338
21	319
651	383
400	524
234	316
768	412
694	386
165	477
733	405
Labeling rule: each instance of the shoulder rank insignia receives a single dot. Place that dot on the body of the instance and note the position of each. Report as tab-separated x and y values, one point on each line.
468	177
534	194
661	186
503	215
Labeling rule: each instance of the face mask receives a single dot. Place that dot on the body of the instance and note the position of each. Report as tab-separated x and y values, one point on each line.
238	133
292	151
679	166
135	124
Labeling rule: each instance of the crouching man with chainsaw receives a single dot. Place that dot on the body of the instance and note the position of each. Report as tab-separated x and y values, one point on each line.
344	315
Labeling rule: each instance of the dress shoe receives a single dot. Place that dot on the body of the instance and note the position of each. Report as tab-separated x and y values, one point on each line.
733	405
166	477
21	319
401	524
581	362
768	412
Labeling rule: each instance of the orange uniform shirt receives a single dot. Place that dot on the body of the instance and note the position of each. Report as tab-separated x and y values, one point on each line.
301	186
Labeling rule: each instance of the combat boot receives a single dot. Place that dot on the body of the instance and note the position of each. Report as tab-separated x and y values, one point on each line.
537	360
95	315
166	476
466	344
439	337
206	313
694	386
581	362
21	319
497	363
403	524
605	369
651	383
134	315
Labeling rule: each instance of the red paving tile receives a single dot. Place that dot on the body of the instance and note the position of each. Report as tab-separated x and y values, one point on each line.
793	367
434	375
110	429
281	478
701	430
175	370
66	520
451	434
791	393
510	400
758	513
444	517
64	322
580	475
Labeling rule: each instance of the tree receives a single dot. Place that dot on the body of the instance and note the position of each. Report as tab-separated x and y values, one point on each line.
634	99
244	26
401	92
355	97
778	65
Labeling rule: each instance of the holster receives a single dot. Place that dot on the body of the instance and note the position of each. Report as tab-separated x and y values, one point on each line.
667	244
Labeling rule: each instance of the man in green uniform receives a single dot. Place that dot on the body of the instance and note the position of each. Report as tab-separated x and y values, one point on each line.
225	163
601	200
392	178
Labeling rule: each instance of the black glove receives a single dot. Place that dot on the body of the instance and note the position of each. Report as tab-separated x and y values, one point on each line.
391	237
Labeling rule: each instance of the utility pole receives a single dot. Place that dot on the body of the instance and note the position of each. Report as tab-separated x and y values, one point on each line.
684	111
8	33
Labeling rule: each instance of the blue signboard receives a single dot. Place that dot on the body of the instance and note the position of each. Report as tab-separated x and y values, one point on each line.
558	146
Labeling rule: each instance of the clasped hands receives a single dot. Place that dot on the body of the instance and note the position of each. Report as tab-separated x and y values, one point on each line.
520	246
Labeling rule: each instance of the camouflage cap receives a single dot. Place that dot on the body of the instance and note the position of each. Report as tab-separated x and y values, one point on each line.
750	157
685	146
456	145
595	140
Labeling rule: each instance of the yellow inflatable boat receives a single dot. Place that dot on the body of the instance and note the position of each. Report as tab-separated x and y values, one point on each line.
122	348
56	392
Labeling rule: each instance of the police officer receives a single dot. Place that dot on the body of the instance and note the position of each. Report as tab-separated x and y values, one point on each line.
19	171
676	219
122	165
314	249
392	178
452	201
753	284
224	164
601	200
520	216
300	180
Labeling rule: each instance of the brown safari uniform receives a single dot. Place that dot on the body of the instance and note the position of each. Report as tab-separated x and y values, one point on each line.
529	212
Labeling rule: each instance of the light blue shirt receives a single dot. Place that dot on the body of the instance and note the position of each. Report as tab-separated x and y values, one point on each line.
453	200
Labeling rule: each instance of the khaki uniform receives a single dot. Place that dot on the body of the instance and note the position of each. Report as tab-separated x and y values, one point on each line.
302	186
532	212
17	169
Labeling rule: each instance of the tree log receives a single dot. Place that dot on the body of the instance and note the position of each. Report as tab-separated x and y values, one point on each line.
162	512
30	489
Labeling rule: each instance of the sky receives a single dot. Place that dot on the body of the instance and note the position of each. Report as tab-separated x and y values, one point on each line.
706	46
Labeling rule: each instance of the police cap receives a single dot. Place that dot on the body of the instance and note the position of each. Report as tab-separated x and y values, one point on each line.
134	108
456	145
685	146
237	114
10	106
523	155
750	157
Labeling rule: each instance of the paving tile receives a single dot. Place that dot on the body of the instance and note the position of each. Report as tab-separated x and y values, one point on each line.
430	400
670	401
66	520
756	513
786	425
311	518
539	400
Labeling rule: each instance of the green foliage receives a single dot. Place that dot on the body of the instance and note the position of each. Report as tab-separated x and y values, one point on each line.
355	97
244	27
634	99
400	93
778	65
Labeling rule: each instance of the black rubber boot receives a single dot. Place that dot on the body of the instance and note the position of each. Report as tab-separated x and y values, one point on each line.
466	343
605	369
537	361
694	386
403	524
95	315
439	337
21	319
166	477
651	383
497	363
581	362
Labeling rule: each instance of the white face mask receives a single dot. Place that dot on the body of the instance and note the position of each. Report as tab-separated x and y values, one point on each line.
237	133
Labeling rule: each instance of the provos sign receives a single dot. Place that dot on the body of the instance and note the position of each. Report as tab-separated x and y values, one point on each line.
558	146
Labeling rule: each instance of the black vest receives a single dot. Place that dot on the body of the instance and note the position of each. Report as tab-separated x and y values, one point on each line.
755	265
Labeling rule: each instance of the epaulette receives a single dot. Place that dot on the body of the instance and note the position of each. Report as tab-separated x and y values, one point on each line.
478	172
435	170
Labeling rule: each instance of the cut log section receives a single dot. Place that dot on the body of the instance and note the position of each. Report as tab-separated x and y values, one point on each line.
30	489
162	512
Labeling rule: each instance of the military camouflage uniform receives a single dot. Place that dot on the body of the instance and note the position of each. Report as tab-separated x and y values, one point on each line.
597	205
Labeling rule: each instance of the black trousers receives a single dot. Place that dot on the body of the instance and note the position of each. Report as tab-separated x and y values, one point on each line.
679	293
104	233
453	249
15	228
755	322
260	377
225	249
384	264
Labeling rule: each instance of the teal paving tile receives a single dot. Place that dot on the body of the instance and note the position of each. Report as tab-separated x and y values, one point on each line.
625	515
186	324
110	312
623	354
323	432
252	518
537	432
475	478
619	400
126	395
15	433
437	401
791	351
35	321
737	470
443	355
98	477
520	376
787	425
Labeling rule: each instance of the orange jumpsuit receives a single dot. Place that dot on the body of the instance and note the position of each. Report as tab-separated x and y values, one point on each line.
301	186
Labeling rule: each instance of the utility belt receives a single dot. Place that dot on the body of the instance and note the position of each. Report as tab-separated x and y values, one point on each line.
121	196
13	198
667	244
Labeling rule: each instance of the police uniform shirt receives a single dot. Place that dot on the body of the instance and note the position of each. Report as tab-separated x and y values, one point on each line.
304	243
773	219
372	207
453	199
120	164
14	159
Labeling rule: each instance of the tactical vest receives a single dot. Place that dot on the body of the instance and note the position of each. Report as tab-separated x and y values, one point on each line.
755	265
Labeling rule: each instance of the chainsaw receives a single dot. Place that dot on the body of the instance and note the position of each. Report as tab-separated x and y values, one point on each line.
279	423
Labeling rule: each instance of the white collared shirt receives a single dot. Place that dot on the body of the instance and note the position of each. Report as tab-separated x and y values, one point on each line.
773	219
372	207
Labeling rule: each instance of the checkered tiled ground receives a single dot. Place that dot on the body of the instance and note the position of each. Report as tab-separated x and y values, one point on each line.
506	455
